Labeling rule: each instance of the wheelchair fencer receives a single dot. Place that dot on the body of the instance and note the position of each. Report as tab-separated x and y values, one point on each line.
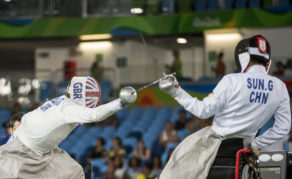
233	161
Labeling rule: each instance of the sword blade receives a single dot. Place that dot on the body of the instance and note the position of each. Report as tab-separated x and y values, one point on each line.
153	83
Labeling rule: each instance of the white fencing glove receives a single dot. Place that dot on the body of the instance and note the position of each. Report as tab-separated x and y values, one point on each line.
128	95
169	85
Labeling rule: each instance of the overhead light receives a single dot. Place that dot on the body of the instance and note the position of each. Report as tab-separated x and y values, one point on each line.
7	0
136	10
95	37
181	40
95	45
229	36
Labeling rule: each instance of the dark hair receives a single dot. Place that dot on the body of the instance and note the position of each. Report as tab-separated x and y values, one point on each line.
220	55
134	158
182	111
148	165
120	160
15	117
159	161
102	141
258	61
119	140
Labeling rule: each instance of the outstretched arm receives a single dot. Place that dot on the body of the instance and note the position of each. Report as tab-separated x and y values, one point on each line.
202	109
76	113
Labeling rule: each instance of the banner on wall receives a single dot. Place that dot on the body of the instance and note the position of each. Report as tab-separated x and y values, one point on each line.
151	25
154	96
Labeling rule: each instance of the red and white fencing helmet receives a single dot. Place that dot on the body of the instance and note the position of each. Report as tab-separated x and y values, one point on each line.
85	91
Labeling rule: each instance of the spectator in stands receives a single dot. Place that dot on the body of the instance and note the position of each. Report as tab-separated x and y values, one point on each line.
220	66
8	128
288	70
96	70
195	124
190	128
120	170
117	148
180	124
134	168
169	155
16	108
206	123
156	166
141	151
169	135
34	106
98	151
176	65
14	123
146	172
110	172
279	69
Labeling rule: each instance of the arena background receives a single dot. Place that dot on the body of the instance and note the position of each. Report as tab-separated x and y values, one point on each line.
42	46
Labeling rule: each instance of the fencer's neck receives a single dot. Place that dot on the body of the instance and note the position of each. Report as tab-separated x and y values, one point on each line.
256	68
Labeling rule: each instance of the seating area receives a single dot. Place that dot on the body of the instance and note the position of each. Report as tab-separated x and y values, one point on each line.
176	6
136	123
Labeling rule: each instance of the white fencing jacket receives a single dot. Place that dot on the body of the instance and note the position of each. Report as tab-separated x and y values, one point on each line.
242	103
46	127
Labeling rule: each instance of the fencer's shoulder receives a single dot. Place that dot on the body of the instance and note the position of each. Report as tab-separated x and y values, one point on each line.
232	77
277	80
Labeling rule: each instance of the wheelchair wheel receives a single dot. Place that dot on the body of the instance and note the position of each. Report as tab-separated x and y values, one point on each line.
247	173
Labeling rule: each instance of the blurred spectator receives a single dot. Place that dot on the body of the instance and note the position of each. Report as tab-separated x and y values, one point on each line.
98	151
279	71
134	168
14	123
120	170
176	65
146	173
206	122
288	70
156	166
220	66
8	127
194	124
169	135
141	151
180	124
96	71
110	172
117	148
34	106
169	154
16	108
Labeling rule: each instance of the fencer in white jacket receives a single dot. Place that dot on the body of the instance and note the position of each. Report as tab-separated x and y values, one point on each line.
35	153
241	104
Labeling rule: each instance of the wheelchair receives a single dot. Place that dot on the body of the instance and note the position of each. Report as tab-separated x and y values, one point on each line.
235	162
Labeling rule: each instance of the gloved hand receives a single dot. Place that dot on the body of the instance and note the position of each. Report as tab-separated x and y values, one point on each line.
128	95
169	85
254	150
